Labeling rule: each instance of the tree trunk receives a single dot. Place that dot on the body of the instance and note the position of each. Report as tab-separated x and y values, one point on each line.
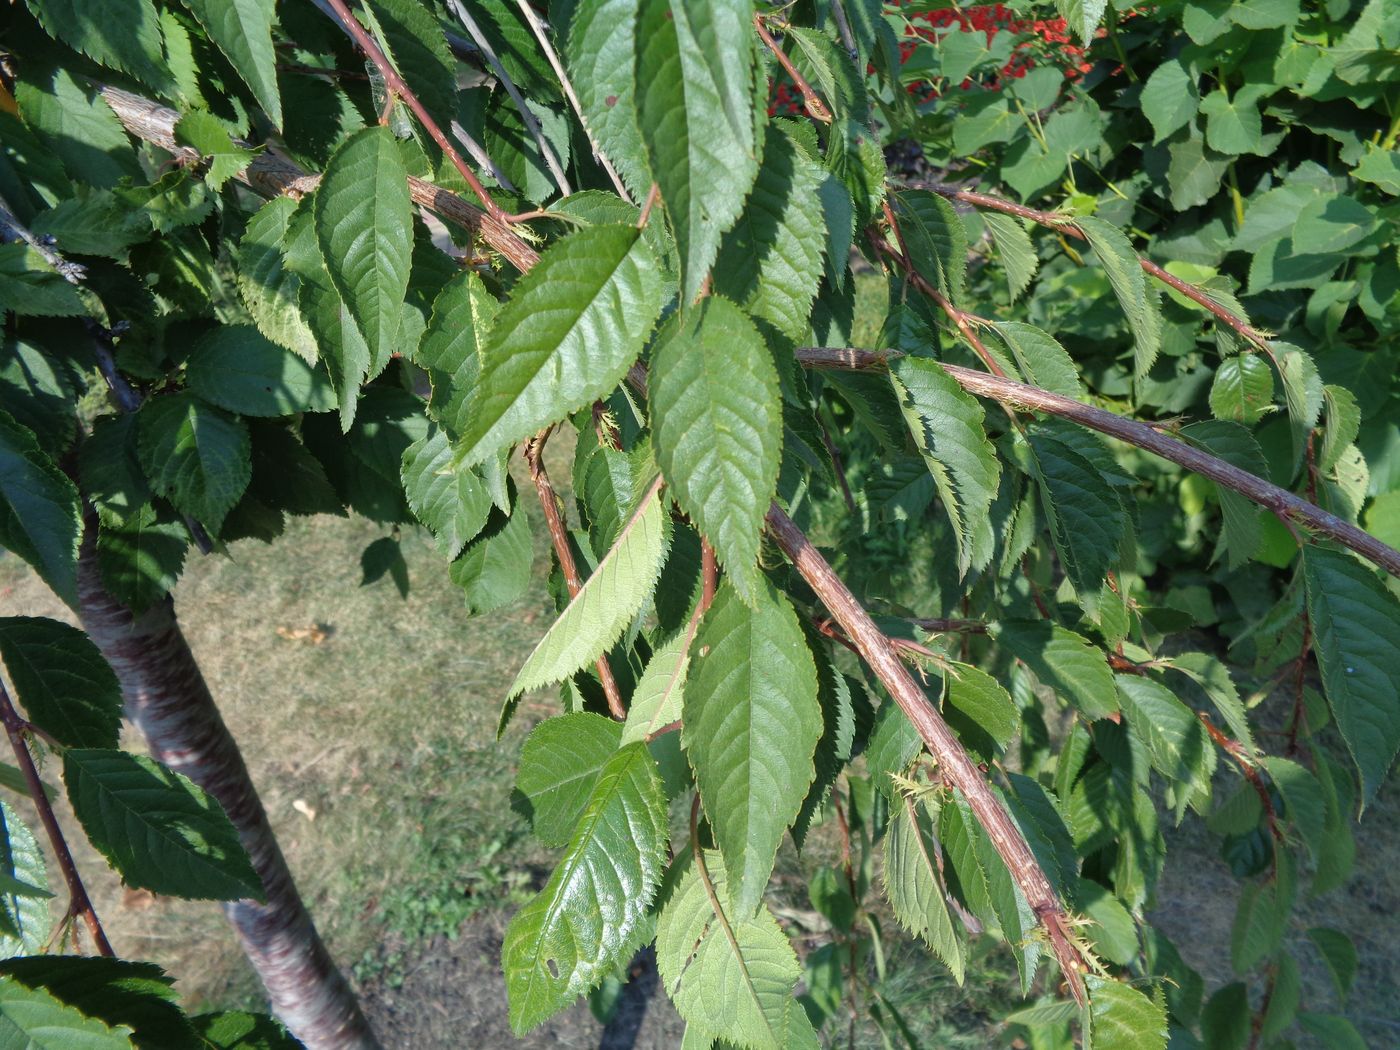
167	699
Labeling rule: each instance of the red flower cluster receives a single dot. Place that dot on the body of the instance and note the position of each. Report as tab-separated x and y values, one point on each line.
986	18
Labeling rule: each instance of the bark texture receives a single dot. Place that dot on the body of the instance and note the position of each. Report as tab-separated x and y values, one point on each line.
167	699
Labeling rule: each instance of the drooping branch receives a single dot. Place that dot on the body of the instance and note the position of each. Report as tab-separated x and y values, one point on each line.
559	537
1021	395
79	905
1065	224
953	760
816	108
273	174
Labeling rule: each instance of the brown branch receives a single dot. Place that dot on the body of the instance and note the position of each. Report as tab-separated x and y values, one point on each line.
397	87
559	537
79	905
1241	758
957	767
1282	502
274	175
1066	225
816	108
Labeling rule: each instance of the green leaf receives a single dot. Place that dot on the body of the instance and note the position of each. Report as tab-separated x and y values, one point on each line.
718	429
412	36
1214	678
32	1019
211	137
1170	98
195	455
726	975
1264	913
364	227
494	570
1243	389
1332	1031
1194	171
1339	953
914	885
946	423
1120	263
1381	168
981	698
572	327
1173	736
270	289
1303	391
62	680
1122	1018
156	827
451	348
1040	357
76	123
1233	124
1064	661
25	924
936	239
589	916
1083	16
559	765
771	261
1087	517
1302	795
698	119
120	34
236	1030
453	502
237	368
30	287
1242	518
751	724
1330	223
1343	424
243	31
606	604
600	50
656	701
1015	249
141	559
41	517
1358	651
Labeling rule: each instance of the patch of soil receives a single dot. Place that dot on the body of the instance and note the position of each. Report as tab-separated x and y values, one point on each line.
452	995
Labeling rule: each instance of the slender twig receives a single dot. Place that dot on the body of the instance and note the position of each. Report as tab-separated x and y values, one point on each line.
12	229
1239	754
653	195
527	115
537	27
957	767
843	29
816	108
397	87
709	577
273	174
559	537
837	467
1282	502
79	905
1066	225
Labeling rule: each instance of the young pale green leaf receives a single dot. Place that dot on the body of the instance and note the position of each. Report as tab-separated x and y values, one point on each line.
270	289
936	239
732	978
751	723
587	918
1139	302
41	518
223	158
559	764
914	884
1243	389
61	679
1123	1018
718	429
1064	661
197	456
32	1019
451	347
364	227
572	327
698	120
656	701
237	368
1042	360
243	31
601	55
608	600
24	914
771	261
946	423
1087	517
453	502
1358	650
120	34
157	828
1015	250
